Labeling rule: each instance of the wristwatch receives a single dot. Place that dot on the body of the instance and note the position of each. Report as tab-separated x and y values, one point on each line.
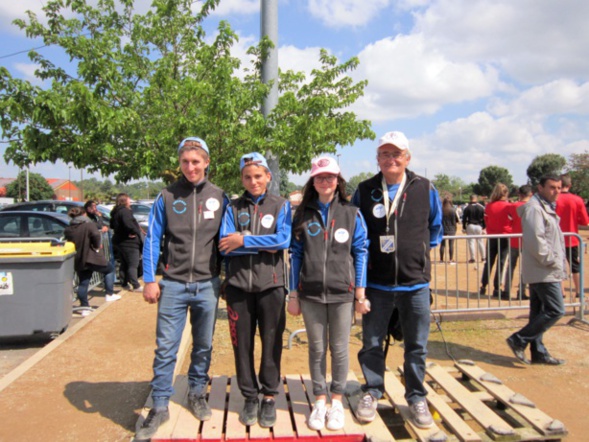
361	300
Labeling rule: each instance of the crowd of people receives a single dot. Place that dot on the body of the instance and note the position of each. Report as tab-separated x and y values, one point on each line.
365	254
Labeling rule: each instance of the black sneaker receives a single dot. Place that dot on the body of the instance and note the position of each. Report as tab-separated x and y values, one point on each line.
518	352
249	413
199	406
267	417
152	422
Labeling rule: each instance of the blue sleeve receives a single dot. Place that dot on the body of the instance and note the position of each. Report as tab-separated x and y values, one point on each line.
152	245
436	231
279	240
296	262
360	250
228	227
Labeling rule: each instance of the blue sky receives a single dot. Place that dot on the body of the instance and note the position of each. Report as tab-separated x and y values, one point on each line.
472	83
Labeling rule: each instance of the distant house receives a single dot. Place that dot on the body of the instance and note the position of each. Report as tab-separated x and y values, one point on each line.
295	198
63	190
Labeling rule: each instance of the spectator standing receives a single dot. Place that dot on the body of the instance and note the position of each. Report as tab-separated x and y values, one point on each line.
404	219
515	244
94	214
473	223
255	232
89	259
497	222
544	269
572	212
449	221
328	271
187	215
127	242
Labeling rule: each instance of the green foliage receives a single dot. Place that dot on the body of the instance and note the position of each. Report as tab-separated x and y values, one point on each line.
548	164
39	188
106	191
286	187
489	177
578	168
138	84
352	183
453	187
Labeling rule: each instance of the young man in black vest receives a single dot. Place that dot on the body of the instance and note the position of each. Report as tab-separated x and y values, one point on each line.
404	220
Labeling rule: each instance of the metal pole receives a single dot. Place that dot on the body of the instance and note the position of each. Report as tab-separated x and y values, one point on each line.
269	28
28	188
69	178
82	184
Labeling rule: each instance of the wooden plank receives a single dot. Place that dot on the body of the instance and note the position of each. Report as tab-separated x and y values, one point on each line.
234	429
187	426
396	392
460	428
309	388
300	407
352	429
166	430
535	417
495	427
375	431
212	430
283	430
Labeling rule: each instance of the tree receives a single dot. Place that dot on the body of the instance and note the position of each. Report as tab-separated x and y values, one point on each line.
451	186
353	182
286	187
39	188
138	84
548	164
578	168
489	177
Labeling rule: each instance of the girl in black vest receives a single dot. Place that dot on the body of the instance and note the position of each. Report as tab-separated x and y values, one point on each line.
328	269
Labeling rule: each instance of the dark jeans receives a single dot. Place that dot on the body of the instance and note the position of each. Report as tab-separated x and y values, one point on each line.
129	255
85	276
246	312
498	248
414	313
450	248
546	308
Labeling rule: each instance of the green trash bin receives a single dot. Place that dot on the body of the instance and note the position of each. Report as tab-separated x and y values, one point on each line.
36	287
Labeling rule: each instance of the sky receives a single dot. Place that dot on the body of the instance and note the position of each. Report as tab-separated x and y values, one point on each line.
472	83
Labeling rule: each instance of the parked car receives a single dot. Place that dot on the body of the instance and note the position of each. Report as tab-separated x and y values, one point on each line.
141	212
54	206
30	224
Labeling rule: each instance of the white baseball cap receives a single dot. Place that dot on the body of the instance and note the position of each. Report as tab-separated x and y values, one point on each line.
324	165
396	138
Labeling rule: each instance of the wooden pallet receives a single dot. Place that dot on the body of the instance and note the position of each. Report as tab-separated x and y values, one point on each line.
293	407
469	405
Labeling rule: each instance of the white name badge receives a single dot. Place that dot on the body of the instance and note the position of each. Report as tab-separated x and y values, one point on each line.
267	221
209	215
387	243
341	235
378	211
213	204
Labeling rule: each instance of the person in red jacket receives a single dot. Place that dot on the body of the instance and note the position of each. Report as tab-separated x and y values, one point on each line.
497	222
572	212
515	244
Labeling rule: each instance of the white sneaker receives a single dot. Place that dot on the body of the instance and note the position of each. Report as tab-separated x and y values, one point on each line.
335	416
85	312
317	418
110	298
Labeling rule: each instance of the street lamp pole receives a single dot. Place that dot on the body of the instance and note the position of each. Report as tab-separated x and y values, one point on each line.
70	182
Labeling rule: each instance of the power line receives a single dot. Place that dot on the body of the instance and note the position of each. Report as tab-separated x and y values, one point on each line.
22	52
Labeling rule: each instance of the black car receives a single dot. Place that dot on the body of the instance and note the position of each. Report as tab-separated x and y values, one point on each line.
29	224
54	206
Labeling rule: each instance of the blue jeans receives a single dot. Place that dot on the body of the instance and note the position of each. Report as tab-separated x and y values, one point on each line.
176	299
546	308
85	276
414	313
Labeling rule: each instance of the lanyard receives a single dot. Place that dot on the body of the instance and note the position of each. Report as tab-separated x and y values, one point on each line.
385	193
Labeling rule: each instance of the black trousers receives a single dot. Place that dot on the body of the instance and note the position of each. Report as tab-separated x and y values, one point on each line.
498	248
129	255
246	312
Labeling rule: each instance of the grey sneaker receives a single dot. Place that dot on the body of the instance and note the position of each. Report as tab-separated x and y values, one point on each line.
152	422
267	417
199	406
249	413
366	409
420	414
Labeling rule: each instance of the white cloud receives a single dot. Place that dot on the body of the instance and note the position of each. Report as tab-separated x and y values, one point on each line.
407	78
293	58
227	7
533	41
27	70
341	13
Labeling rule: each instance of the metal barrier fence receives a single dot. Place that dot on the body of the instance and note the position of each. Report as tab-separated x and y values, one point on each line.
470	284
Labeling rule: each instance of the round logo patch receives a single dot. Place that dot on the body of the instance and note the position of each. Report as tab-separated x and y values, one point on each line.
341	235
213	204
179	207
378	211
313	229
267	221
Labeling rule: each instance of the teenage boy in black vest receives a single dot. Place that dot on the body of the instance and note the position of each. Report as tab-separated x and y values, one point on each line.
255	231
404	220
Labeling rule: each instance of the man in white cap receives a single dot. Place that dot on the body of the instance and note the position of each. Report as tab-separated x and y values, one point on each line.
187	215
404	220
